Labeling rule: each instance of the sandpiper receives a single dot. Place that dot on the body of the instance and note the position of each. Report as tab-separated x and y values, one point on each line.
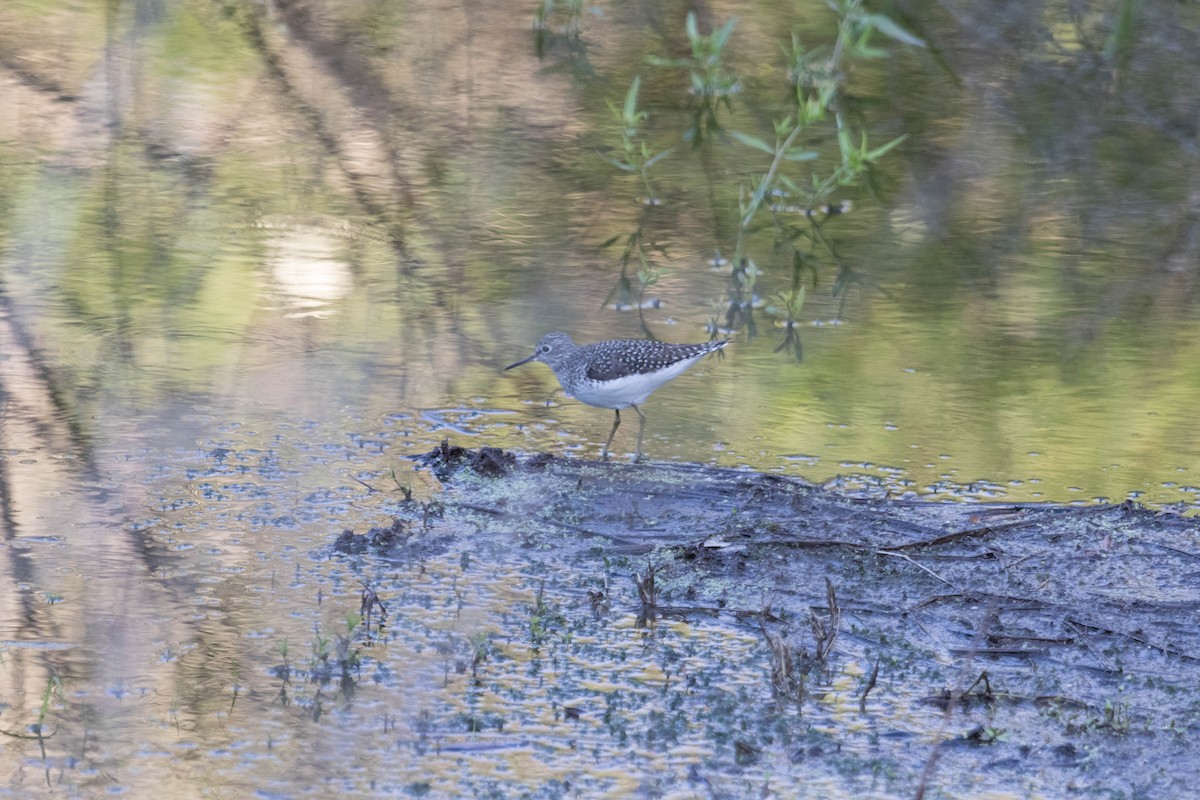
616	373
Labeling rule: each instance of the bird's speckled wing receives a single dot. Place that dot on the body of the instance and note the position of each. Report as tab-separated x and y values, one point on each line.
621	358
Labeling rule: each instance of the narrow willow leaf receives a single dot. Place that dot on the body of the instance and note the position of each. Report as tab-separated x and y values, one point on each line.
887	27
652	161
871	52
631	98
721	38
752	141
880	151
844	142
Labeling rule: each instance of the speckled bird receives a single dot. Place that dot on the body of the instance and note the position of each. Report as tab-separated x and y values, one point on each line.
616	373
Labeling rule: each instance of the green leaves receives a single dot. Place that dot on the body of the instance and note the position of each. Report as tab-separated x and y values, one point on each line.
708	79
705	48
630	113
638	157
753	141
879	152
857	27
888	28
857	158
801	155
788	154
798	209
798	204
652	160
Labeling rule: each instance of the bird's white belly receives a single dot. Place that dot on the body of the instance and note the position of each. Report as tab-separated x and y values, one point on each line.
630	390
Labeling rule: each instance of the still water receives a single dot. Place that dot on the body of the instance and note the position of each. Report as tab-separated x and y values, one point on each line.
252	256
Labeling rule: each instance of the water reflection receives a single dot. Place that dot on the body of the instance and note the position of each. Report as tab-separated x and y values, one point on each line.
308	273
986	262
254	253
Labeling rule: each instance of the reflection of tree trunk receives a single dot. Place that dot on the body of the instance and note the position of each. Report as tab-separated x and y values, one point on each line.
74	600
22	396
32	413
347	117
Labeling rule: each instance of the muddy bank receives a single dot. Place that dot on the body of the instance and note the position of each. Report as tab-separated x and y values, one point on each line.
893	647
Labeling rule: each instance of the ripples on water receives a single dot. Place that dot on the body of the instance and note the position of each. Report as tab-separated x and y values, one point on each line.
251	263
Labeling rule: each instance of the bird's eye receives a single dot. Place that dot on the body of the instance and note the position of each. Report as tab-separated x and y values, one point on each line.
545	348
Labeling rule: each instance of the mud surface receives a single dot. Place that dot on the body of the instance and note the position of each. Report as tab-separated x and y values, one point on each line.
902	647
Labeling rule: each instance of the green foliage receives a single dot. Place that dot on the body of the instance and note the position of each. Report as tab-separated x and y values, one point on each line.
797	209
795	194
482	649
711	82
544	618
637	157
320	648
51	694
857	26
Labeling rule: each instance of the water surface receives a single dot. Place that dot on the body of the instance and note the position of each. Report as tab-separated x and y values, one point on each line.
252	257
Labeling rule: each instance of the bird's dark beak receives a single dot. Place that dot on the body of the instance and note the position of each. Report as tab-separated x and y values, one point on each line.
522	361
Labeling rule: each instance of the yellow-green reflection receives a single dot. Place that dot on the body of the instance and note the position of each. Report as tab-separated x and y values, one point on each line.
231	216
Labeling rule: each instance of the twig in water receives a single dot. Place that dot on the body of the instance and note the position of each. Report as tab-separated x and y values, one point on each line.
862	700
916	564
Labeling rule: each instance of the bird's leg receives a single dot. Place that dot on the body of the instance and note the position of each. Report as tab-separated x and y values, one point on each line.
637	456
616	424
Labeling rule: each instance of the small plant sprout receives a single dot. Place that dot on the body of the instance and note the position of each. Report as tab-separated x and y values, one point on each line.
237	687
320	649
481	647
371	602
648	594
790	664
51	694
537	617
346	656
